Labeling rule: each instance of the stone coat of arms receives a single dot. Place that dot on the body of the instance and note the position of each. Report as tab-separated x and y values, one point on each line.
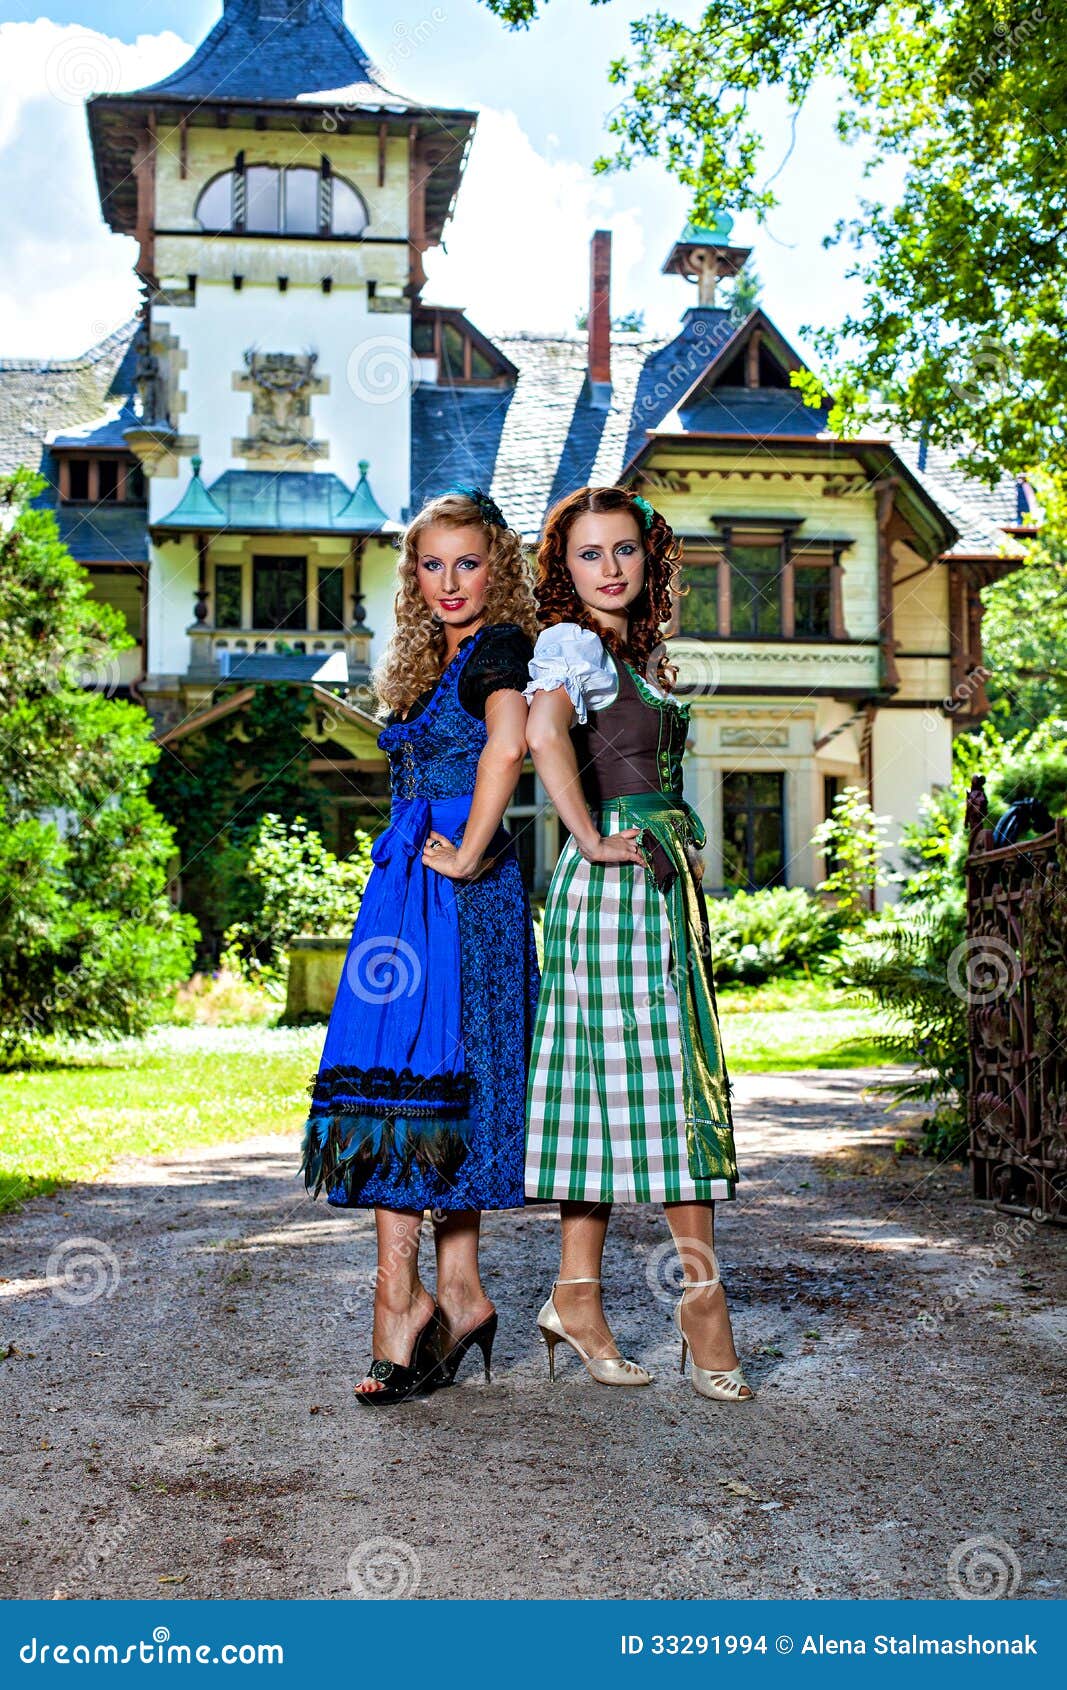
281	385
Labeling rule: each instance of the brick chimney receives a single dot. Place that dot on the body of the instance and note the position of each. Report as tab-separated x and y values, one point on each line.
600	317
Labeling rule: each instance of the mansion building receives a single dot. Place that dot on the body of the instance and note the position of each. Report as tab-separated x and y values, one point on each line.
233	467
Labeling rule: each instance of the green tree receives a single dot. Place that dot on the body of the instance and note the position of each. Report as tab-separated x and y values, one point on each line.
965	274
745	292
629	322
89	939
216	786
908	960
1024	626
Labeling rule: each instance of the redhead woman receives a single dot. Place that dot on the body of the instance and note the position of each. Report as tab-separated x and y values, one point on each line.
629	1099
419	1099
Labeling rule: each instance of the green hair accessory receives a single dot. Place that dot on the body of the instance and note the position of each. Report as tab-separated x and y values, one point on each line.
647	513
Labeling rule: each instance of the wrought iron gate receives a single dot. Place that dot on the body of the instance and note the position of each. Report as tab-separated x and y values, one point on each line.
1016	970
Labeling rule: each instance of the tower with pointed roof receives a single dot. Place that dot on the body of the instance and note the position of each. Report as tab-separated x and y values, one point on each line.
282	196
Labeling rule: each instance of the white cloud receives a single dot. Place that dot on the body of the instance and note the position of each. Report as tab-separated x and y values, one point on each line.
518	246
65	279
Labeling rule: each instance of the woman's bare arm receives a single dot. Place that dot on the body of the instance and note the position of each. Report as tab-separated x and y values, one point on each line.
499	768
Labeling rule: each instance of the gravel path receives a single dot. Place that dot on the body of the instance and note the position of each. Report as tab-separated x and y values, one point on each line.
190	1431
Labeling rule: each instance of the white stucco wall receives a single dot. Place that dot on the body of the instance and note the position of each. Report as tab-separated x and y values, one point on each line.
363	355
911	754
172	579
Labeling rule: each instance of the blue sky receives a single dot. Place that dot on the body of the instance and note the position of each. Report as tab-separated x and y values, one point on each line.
529	185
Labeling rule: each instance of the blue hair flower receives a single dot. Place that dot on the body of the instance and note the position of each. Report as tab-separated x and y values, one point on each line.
488	508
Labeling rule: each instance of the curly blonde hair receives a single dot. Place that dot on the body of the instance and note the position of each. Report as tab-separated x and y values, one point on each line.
415	656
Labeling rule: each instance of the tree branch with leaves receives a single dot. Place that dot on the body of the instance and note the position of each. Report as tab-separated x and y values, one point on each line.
965	275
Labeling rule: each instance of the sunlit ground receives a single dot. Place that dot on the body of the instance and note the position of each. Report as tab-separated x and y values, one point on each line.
87	1104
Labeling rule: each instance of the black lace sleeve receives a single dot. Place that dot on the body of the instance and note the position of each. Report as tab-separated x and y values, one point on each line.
501	660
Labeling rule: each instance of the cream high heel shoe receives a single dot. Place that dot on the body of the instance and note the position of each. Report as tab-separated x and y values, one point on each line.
607	1370
720	1383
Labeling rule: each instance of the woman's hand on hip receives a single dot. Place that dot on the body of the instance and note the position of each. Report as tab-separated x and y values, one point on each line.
615	848
445	858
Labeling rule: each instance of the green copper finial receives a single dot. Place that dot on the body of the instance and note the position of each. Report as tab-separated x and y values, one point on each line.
716	233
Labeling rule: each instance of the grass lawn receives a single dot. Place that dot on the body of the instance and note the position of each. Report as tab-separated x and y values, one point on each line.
90	1103
797	1024
179	1086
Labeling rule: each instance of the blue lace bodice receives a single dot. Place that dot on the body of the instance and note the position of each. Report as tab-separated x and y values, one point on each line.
435	755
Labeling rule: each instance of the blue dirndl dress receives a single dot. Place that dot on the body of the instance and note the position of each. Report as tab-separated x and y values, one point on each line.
419	1101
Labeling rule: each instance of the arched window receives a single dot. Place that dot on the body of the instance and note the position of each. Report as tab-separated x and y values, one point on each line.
349	212
214	208
271	199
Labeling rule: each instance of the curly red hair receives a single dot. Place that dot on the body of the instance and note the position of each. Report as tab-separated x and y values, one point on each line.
557	598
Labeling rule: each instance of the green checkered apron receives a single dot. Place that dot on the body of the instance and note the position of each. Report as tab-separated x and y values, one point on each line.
628	1096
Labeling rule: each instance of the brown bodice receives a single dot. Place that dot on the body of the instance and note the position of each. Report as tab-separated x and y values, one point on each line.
634	744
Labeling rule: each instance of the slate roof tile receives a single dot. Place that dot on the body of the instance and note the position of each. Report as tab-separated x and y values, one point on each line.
40	395
528	444
279	50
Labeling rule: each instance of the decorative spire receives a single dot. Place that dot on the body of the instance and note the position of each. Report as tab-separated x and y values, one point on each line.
278	50
196	510
703	254
363	514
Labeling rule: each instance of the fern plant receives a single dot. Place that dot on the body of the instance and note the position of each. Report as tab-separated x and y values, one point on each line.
902	960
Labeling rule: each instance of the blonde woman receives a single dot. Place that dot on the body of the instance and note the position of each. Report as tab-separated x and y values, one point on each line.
419	1099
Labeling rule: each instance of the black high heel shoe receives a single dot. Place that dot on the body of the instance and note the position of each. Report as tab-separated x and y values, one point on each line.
400	1384
449	1365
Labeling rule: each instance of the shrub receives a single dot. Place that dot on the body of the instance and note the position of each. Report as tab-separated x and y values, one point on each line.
854	840
89	940
755	935
225	998
216	785
302	888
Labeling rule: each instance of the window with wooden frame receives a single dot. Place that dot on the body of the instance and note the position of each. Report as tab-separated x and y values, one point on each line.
760	581
290	199
92	478
465	357
279	592
330	597
753	830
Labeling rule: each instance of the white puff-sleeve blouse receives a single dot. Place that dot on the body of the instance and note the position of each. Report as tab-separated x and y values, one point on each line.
575	658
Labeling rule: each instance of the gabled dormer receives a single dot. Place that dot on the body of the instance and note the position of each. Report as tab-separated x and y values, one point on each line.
747	388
